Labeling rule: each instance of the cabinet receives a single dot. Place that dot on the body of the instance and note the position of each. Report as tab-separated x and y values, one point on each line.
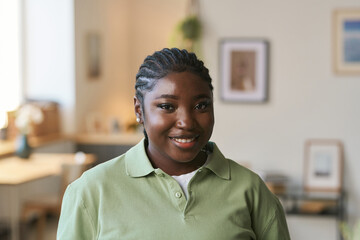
103	152
314	203
314	213
106	146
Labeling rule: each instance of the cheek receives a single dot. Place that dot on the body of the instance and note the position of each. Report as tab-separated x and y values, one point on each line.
210	125
207	122
156	121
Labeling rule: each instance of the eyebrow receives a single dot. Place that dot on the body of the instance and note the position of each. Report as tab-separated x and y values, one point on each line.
176	97
167	96
202	96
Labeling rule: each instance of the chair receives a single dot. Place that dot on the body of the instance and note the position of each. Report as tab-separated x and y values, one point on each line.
45	205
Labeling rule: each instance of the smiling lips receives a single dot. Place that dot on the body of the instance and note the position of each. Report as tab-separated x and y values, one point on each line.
184	142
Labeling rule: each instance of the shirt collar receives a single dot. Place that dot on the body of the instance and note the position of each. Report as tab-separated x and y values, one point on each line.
218	164
138	164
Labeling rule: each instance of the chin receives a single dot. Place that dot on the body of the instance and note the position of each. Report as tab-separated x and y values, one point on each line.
184	158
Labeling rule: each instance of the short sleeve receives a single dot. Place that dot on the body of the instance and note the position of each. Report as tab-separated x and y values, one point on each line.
277	227
268	215
75	221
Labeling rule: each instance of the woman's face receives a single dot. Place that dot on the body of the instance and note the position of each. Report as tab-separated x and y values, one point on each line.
179	117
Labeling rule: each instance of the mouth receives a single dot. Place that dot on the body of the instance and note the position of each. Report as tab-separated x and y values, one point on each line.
185	141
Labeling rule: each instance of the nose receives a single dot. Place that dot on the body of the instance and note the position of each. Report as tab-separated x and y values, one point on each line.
185	119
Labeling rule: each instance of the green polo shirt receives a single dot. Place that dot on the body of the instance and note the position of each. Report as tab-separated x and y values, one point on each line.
126	198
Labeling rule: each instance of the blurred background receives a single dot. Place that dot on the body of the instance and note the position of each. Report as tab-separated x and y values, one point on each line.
76	61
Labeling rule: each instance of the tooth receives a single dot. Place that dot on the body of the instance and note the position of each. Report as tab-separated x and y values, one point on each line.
184	140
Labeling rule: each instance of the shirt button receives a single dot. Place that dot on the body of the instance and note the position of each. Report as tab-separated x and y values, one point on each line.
200	170
161	175
178	194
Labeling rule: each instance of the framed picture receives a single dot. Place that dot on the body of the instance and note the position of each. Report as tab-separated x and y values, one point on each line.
347	41
243	67
93	47
323	165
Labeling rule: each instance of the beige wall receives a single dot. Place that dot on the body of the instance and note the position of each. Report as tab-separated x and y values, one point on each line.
105	95
306	99
130	30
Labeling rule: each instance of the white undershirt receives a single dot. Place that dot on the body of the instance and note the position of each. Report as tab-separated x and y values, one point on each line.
184	179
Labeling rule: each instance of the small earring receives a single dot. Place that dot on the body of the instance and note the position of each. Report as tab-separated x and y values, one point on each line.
138	119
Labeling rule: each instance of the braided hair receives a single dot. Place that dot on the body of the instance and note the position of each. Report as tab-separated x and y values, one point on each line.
164	62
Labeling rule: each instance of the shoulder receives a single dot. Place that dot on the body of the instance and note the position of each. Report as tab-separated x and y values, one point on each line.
237	169
229	169
247	183
245	175
243	180
88	191
82	200
99	175
219	162
266	211
110	167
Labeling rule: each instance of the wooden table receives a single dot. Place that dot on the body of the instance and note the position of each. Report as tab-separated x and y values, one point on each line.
15	171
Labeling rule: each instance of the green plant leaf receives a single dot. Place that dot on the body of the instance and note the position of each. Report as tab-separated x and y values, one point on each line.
191	28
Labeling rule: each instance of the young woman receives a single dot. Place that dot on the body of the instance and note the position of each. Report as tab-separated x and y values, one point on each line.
174	184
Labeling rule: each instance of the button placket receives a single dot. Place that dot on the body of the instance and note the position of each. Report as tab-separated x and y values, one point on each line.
192	194
177	194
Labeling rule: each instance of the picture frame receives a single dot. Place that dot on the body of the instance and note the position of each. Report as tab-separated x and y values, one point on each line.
93	55
346	41
244	70
323	165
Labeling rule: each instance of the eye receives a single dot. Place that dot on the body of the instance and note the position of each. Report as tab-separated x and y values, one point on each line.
202	105
166	106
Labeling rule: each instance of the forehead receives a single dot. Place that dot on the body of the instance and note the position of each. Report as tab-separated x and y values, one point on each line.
183	83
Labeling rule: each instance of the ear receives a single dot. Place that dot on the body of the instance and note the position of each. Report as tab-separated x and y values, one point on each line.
138	110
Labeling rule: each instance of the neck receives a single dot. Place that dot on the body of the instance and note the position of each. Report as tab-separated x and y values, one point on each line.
175	168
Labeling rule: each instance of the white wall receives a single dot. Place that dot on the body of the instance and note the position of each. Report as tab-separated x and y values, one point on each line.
10	61
49	72
306	99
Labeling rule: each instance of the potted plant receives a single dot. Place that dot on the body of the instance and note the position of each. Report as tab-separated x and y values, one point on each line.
188	31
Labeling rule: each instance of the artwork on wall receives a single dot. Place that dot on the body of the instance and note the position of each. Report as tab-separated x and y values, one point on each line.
93	60
323	165
346	41
243	67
